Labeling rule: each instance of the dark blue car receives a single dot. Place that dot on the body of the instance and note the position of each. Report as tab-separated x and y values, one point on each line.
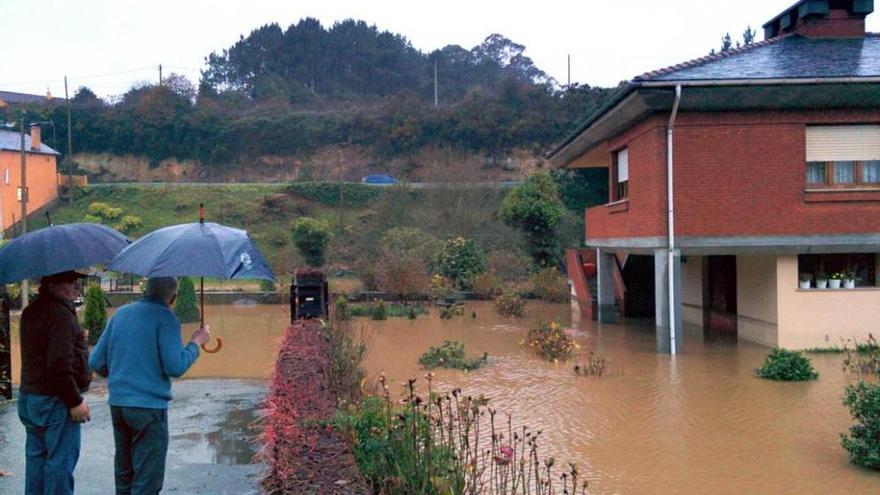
378	179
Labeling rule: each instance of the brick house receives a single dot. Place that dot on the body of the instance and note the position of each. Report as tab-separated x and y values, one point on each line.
42	174
773	151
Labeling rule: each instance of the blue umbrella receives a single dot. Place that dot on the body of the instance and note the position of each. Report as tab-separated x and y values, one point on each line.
59	248
195	250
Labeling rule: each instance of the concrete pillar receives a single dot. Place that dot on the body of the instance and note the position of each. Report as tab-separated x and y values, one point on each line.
608	312
661	299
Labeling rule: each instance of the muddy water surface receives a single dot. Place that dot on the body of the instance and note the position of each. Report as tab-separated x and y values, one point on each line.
701	423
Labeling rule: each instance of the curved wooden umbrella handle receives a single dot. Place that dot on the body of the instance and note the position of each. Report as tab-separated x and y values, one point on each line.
216	349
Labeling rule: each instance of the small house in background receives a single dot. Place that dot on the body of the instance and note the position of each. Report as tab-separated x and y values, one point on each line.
743	185
41	174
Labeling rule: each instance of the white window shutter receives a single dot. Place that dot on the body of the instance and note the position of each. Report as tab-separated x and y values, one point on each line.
623	165
843	143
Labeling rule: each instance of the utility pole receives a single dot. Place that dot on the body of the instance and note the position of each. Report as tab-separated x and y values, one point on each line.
569	71
24	198
436	101
160	74
69	156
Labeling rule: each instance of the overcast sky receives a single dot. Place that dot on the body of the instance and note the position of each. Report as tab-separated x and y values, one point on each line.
109	44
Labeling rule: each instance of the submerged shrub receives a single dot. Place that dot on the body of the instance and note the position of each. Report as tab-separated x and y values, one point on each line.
451	355
863	441
451	311
550	342
510	304
787	366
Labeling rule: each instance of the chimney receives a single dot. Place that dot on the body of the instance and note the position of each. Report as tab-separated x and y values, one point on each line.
822	19
36	137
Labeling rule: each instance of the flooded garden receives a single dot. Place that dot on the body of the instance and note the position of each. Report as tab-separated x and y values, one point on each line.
702	422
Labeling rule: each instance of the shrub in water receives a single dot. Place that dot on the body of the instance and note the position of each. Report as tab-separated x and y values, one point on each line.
550	342
185	307
96	313
787	366
487	285
379	312
451	355
549	285
510	304
863	441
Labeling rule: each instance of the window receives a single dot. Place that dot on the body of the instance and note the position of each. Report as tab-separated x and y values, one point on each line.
621	175
845	155
861	266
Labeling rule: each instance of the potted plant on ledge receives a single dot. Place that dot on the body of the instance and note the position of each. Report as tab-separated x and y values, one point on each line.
834	280
850	279
821	280
805	280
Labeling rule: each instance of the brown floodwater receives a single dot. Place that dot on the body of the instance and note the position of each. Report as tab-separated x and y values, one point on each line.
698	423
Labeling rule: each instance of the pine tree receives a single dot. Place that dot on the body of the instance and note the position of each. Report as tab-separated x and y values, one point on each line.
96	313
186	308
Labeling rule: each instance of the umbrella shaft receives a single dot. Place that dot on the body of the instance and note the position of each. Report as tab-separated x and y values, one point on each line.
202	300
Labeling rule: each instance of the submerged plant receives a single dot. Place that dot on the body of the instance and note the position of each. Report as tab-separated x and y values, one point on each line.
451	355
510	304
596	365
863	357
550	341
863	441
788	366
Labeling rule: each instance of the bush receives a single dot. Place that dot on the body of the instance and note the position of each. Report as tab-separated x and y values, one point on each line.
340	307
327	193
310	236
535	209
379	312
549	285
392	310
460	260
186	308
451	355
510	304
550	342
487	285
509	265
863	441
787	366
267	286
96	313
103	212
129	224
451	311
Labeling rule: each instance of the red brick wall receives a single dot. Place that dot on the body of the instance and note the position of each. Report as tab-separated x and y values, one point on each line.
735	174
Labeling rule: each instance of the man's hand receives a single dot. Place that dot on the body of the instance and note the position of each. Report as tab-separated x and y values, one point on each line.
80	413
202	335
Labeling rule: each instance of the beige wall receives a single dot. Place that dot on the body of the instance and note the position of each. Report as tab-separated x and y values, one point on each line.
821	318
756	299
692	291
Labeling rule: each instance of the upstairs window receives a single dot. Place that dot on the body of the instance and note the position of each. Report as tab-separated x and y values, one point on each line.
621	175
843	156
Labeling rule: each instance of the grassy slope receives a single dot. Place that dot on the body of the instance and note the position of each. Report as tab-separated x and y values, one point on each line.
267	212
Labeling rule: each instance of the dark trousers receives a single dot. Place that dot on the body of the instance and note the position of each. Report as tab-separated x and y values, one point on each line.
141	437
51	446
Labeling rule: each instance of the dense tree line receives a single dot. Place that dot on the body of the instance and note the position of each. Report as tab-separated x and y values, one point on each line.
291	92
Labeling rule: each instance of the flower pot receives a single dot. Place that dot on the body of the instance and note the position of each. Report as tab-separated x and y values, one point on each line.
849	284
805	284
821	283
834	283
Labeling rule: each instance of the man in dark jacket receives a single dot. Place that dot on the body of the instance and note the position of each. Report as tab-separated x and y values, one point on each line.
54	375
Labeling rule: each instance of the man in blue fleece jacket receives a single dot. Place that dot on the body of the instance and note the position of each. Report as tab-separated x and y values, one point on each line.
139	352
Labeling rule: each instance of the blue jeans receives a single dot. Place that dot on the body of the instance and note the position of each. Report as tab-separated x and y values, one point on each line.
52	445
141	437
